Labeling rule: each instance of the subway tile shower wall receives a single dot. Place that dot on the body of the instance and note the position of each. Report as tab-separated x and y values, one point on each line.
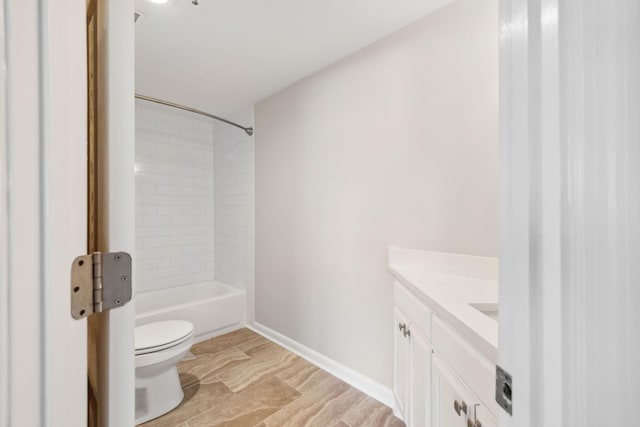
175	198
235	199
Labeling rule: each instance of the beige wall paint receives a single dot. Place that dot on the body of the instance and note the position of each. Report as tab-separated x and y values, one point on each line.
394	145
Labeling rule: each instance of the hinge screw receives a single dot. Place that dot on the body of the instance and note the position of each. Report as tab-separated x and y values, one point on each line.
118	301
125	278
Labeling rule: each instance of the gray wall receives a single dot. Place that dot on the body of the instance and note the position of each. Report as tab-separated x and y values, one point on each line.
394	145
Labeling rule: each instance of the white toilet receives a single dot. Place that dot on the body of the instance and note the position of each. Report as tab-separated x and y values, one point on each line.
159	347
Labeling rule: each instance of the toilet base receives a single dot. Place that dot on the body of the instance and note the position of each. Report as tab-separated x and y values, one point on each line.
157	394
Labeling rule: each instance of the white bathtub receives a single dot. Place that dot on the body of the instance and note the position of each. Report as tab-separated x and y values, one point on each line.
213	307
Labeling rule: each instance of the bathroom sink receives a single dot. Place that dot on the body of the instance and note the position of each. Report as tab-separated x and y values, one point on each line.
488	309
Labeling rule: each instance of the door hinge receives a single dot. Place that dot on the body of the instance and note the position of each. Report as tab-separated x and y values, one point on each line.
504	390
100	282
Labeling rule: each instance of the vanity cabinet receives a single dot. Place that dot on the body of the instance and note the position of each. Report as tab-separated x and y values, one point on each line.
453	403
412	361
440	380
420	391
483	418
402	361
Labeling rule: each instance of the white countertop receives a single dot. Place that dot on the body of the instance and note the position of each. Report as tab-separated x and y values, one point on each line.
449	284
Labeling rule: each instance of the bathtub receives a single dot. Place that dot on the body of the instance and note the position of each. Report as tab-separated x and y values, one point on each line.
214	308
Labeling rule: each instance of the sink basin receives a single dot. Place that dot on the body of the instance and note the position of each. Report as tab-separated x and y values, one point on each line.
488	309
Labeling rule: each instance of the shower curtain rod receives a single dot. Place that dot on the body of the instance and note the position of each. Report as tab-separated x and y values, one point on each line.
248	130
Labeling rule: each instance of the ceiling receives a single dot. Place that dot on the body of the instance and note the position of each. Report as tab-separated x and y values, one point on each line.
224	55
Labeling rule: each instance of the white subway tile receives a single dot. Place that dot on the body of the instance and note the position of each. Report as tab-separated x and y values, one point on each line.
234	205
168	210
181	120
169	271
194	199
169	251
145	188
168	128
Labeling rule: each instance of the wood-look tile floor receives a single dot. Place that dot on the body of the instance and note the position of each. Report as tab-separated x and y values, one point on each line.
242	379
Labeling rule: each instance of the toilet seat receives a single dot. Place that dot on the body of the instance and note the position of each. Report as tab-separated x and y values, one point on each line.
158	336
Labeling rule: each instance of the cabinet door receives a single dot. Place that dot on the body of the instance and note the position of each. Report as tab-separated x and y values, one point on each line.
484	417
448	392
421	353
402	362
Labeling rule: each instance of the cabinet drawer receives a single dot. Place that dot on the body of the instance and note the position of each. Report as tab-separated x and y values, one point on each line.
416	312
448	389
478	371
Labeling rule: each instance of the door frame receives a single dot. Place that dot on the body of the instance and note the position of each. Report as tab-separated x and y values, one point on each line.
115	356
43	209
43	219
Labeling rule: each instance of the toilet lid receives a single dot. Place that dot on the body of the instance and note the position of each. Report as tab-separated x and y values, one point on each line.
161	335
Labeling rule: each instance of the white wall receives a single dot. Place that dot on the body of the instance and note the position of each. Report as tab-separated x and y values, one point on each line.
395	145
4	239
234	177
174	197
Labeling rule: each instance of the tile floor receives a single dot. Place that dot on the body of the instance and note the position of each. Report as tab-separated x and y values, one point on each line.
241	379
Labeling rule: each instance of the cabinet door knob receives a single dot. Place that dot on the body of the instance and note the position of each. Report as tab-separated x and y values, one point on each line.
402	326
407	332
459	407
475	423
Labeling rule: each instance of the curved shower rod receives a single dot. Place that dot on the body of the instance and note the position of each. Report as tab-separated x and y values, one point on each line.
248	130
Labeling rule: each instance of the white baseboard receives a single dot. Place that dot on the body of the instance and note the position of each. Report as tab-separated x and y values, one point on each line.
355	379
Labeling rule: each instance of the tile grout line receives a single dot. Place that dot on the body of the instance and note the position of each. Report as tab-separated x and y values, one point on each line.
282	407
275	364
216	373
318	411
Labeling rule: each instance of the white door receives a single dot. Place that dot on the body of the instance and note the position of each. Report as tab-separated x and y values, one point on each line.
570	211
43	205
